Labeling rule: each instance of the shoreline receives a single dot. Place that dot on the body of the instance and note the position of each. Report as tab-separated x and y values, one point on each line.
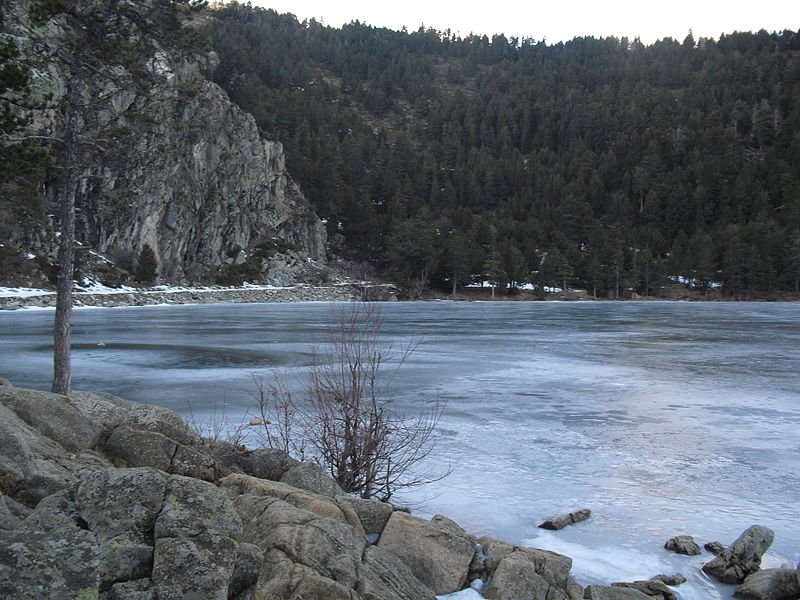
18	298
107	298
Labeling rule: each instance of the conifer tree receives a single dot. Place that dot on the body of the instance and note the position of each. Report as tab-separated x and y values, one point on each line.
146	266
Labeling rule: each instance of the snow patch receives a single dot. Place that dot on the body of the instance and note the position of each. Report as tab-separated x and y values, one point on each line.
691	282
16	292
91	286
603	563
467	594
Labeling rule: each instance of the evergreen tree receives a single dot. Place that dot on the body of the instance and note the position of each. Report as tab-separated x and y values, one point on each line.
146	269
393	133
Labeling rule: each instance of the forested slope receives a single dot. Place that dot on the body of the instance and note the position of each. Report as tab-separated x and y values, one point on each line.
604	163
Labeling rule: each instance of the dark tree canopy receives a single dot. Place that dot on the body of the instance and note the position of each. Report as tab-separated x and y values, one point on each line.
622	163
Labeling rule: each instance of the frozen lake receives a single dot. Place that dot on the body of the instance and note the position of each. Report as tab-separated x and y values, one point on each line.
663	418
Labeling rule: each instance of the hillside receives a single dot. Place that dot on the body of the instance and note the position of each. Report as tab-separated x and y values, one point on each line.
600	163
440	161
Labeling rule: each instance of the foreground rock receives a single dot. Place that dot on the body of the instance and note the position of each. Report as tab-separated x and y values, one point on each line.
109	499
743	557
602	592
771	584
650	587
683	544
673	580
438	551
561	521
517	573
175	537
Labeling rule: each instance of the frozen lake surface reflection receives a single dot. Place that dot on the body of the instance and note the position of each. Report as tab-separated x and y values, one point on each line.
663	418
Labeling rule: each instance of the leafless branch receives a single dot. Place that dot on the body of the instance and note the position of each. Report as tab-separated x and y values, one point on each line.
357	434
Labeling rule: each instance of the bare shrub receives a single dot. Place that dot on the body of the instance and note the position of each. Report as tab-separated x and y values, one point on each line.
356	433
216	430
280	418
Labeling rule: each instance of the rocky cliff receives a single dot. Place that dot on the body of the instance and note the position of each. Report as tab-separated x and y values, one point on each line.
165	158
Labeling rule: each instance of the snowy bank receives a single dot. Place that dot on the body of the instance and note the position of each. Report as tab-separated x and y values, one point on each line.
94	294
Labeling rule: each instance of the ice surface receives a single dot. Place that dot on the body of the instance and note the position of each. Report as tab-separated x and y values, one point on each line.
663	418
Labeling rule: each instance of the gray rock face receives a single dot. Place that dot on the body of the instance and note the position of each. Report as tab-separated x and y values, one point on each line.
338	509
438	552
140	589
743	557
672	580
602	592
387	578
309	554
49	555
683	544
122	504
246	570
32	465
16	458
53	416
714	547
264	463
138	533
137	448
329	548
513	569
651	587
516	578
119	533
133	448
308	476
196	539
372	514
770	584
560	521
108	412
181	168
11	512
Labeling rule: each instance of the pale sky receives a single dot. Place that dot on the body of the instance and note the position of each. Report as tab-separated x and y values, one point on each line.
557	20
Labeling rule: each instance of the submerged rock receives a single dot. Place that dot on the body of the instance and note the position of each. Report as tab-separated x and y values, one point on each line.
743	557
714	547
560	521
683	544
671	580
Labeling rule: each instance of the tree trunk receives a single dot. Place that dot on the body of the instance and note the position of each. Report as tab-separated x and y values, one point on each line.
62	329
454	286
